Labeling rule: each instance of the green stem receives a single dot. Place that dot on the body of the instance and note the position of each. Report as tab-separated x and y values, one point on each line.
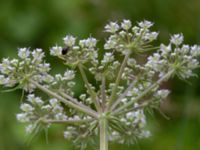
123	94
166	76
76	101
69	103
118	79
91	91
103	92
103	134
77	121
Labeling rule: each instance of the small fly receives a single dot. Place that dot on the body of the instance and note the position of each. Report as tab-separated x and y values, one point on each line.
65	50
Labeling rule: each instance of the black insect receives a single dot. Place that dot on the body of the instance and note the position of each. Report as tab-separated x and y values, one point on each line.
65	50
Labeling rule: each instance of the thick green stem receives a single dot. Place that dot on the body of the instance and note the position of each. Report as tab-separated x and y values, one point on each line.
103	134
118	79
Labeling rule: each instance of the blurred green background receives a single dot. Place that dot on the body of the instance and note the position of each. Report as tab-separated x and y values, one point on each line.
42	23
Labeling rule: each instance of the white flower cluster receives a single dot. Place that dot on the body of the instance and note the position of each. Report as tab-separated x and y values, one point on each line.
177	56
35	110
127	38
29	66
84	52
135	123
125	85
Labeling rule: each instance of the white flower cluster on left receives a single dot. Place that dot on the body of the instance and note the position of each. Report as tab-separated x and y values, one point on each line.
35	110
29	66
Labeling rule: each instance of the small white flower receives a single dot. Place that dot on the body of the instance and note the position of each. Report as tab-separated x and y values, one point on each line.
193	63
177	39
112	27
162	94
165	49
53	102
60	116
58	77
195	50
82	43
151	36
91	42
57	109
71	84
67	135
38	54
30	128
46	107
47	78
145	24
185	49
135	29
22	117
126	24
69	40
130	115
35	100
31	98
69	75
110	44
145	134
26	107
122	33
23	53
82	97
43	68
124	100
14	62
2	79
56	50
108	57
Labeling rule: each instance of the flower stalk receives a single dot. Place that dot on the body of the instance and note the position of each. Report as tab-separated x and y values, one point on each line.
49	92
118	79
91	91
103	134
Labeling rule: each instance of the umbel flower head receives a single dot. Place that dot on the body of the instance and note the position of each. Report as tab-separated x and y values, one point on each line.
112	109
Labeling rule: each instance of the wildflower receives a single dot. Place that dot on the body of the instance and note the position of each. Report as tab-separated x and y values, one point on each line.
126	24
53	102
112	27
56	51
145	24
195	50
26	107
90	42
69	40
162	94
177	39
151	36
23	53
30	128
22	117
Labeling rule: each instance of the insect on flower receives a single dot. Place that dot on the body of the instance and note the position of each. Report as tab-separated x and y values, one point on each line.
65	50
